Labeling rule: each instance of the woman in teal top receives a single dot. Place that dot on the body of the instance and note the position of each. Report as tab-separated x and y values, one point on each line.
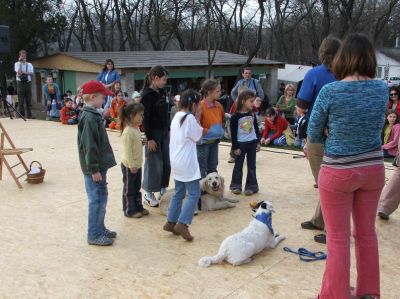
347	118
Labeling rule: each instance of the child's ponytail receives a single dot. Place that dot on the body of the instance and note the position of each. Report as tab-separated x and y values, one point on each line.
155	71
127	113
123	117
187	100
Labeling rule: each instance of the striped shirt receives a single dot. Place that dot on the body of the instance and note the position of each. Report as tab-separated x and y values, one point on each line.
374	157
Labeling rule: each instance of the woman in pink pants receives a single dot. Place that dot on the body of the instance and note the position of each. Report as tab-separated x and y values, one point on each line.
347	118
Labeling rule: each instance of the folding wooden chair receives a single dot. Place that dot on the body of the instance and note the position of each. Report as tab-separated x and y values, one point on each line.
12	151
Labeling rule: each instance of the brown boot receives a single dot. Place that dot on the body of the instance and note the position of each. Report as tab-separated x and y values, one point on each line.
169	227
182	229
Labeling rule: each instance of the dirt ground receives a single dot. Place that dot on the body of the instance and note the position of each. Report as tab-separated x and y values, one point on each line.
44	254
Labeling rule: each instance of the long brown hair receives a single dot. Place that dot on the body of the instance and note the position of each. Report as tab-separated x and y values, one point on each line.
105	65
155	71
356	55
127	113
243	97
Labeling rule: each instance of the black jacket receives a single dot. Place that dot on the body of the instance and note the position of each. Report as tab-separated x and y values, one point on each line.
156	116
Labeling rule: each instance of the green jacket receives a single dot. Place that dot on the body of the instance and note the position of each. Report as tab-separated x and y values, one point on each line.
290	108
95	152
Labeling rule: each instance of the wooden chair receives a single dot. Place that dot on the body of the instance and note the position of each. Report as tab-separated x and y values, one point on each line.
12	151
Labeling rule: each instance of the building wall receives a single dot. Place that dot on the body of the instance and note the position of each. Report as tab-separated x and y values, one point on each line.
69	81
82	77
384	62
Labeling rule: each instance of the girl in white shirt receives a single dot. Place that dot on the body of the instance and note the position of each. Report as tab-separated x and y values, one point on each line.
185	133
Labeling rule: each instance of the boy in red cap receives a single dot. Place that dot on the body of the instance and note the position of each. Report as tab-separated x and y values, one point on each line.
96	157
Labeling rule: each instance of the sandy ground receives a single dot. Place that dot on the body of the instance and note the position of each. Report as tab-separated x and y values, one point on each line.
44	254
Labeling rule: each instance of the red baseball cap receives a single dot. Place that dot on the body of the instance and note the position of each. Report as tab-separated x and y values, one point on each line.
94	87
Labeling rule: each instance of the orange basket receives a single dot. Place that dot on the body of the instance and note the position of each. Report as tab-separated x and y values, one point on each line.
36	178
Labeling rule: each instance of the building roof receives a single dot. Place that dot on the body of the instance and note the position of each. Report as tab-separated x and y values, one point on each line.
393	53
293	72
147	59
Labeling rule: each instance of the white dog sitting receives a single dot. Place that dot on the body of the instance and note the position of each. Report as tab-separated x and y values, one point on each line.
240	247
213	199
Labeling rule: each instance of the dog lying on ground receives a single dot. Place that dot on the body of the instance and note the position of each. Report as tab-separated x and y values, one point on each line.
213	186
238	249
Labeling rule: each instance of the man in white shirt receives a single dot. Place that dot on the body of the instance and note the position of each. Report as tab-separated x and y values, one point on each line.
24	75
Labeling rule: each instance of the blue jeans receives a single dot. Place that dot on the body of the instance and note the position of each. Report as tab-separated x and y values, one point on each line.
97	195
207	155
177	213
247	149
157	166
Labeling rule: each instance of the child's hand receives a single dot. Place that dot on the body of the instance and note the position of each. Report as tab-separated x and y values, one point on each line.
267	141
258	147
133	170
152	145
262	141
96	177
237	152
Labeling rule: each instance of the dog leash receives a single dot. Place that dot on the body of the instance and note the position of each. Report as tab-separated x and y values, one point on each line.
306	255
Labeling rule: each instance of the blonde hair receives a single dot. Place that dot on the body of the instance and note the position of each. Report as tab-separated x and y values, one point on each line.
287	87
86	97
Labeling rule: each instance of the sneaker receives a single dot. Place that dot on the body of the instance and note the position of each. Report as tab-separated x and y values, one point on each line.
231	160
101	241
310	225
135	215
150	200
236	191
248	192
169	227
383	216
183	230
321	238
145	212
161	193
110	234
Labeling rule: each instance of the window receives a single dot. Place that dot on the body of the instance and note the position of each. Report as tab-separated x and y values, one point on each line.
379	72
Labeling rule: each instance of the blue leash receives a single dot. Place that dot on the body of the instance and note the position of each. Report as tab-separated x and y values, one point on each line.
306	255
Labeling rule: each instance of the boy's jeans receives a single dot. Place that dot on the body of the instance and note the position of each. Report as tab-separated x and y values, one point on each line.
97	195
175	211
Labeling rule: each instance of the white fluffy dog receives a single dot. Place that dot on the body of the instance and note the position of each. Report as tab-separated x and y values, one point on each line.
213	199
240	247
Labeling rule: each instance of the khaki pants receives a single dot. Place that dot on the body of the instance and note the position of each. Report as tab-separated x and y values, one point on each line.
315	153
390	198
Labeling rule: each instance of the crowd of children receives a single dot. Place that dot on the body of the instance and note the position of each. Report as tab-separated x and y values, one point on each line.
197	127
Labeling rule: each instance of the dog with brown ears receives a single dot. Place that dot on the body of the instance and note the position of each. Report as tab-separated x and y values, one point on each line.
213	187
238	249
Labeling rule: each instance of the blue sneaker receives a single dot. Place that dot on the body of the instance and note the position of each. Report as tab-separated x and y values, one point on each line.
110	234
101	241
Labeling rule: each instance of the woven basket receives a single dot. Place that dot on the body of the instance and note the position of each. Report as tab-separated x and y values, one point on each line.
36	178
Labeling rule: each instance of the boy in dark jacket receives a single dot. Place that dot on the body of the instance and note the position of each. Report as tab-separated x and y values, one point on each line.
96	157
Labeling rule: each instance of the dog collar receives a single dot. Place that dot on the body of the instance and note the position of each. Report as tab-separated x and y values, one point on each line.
266	218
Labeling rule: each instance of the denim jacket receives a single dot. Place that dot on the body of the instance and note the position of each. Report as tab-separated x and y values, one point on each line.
112	77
